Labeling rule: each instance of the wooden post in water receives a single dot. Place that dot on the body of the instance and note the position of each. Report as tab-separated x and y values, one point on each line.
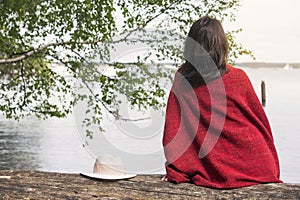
263	93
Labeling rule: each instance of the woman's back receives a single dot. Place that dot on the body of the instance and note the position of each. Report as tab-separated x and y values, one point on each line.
216	131
219	142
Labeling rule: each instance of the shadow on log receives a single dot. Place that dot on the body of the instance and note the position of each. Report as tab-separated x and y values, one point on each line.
20	184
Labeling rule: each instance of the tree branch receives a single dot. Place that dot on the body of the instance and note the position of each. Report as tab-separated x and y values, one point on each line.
42	48
115	114
29	53
24	85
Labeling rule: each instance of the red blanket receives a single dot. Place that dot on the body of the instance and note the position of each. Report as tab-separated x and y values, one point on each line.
217	135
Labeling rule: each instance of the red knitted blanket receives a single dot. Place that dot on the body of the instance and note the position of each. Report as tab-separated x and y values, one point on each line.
217	135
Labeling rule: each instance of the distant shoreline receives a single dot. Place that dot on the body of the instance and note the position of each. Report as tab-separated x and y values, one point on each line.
254	65
267	65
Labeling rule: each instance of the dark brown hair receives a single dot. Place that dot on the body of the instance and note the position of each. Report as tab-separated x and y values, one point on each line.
206	51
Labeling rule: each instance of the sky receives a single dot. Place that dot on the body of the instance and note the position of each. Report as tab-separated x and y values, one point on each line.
271	29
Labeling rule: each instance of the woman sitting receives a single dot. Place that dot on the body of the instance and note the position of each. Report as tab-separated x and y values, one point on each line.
216	132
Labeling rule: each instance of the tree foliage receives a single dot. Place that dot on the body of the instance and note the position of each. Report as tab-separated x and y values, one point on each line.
81	35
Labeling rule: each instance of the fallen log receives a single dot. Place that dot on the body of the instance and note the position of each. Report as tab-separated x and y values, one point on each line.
22	184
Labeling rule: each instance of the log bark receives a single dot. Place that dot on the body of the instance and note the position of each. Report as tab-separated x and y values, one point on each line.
20	184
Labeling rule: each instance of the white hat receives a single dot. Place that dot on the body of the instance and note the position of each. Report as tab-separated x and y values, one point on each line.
109	167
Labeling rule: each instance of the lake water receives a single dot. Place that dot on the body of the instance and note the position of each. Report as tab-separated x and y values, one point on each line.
57	144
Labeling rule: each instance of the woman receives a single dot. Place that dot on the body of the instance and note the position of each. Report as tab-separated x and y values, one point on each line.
216	132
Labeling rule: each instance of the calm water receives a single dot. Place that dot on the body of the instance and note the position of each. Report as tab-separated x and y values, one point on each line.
56	144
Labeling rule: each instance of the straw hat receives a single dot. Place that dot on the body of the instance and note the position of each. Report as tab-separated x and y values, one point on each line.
109	167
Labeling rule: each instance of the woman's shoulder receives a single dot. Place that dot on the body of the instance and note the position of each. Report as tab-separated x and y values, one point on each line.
234	68
235	72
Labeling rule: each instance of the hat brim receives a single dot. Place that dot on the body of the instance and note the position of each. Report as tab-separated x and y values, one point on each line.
107	176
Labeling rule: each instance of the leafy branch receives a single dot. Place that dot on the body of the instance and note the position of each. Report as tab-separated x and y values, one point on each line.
81	36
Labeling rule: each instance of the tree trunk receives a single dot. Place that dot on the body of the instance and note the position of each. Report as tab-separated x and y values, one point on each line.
20	184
